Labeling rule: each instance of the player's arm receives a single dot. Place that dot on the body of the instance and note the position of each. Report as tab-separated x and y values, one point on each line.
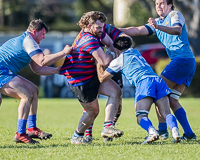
43	70
47	60
135	31
173	30
108	42
102	58
102	74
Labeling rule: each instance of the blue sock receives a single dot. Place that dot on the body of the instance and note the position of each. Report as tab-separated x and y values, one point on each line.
162	126
145	123
182	118
21	126
32	121
171	121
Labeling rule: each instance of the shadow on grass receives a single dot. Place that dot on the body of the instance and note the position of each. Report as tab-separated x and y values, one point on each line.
96	142
32	146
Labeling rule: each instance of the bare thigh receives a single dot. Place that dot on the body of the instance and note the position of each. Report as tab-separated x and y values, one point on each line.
18	87
143	104
110	88
163	106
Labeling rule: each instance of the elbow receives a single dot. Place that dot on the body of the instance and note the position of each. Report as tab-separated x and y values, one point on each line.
101	80
177	33
105	63
43	64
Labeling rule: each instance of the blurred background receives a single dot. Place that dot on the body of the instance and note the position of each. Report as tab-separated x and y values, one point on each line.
62	17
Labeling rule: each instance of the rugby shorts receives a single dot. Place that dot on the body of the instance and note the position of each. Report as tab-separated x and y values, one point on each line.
87	92
118	78
5	76
154	87
180	70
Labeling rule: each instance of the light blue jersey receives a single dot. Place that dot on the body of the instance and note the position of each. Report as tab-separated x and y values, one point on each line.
16	53
175	45
132	65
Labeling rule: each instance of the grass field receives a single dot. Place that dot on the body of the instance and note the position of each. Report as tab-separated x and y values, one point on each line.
60	117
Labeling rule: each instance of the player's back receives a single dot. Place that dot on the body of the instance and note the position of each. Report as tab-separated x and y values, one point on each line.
135	67
13	55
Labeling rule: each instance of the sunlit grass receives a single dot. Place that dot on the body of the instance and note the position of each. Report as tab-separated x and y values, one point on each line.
60	117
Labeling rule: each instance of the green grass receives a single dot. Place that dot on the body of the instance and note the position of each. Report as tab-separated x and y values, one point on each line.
60	117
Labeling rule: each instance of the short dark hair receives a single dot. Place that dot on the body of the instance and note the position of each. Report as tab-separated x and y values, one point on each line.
122	43
38	25
91	17
169	2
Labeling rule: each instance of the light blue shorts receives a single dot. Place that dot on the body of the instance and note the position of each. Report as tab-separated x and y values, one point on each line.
154	87
180	70
5	76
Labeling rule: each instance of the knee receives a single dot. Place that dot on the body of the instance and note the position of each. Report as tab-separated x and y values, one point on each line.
173	103
93	113
140	114
118	93
35	91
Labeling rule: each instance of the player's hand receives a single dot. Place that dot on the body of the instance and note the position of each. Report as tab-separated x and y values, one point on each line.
58	69
153	23
67	49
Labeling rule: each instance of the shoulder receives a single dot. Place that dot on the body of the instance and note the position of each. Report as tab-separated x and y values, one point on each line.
88	37
177	18
175	14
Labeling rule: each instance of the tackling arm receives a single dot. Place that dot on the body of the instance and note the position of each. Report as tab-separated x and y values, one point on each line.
173	30
44	70
102	74
47	60
135	31
102	58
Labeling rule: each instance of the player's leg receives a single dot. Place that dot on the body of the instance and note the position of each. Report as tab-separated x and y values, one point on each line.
178	110
88	131
164	109
87	96
92	110
178	74
33	131
142	108
180	113
114	94
162	126
16	88
118	79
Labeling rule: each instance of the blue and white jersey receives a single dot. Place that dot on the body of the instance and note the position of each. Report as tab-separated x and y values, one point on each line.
132	65
16	53
175	45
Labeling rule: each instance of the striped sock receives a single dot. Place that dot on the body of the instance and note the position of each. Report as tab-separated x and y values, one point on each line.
107	124
88	131
116	117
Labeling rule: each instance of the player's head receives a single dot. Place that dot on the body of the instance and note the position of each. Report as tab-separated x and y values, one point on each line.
38	29
38	25
122	43
163	7
94	21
